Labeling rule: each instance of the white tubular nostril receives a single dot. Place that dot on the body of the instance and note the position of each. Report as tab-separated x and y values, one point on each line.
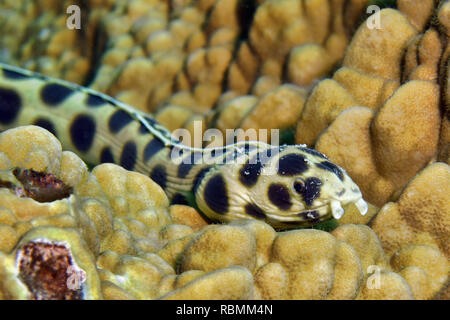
362	206
336	209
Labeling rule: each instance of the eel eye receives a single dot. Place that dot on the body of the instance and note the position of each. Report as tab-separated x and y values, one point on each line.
299	185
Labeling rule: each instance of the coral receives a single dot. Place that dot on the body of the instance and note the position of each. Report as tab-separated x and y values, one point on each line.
243	70
301	264
366	243
418	13
174	48
307	63
278	108
362	117
37	36
237	247
325	102
413	146
264	84
415	232
230	113
233	283
420	216
173	117
130	85
444	141
424	267
390	40
42	155
50	263
422	56
187	216
388	285
100	213
314	265
205	68
140	276
114	236
280	26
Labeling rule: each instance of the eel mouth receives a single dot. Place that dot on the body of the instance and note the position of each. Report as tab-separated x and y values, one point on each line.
320	213
337	211
309	215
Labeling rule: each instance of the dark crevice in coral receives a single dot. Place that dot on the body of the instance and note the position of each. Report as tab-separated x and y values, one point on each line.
351	26
205	24
384	3
432	20
419	44
100	40
245	12
224	83
403	76
442	67
215	116
329	24
444	103
410	45
349	29
47	269
285	68
6	184
42	187
82	32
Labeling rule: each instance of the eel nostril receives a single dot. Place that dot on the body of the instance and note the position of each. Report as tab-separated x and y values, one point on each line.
340	193
299	185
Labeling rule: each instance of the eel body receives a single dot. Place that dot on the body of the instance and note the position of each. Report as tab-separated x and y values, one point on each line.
286	186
